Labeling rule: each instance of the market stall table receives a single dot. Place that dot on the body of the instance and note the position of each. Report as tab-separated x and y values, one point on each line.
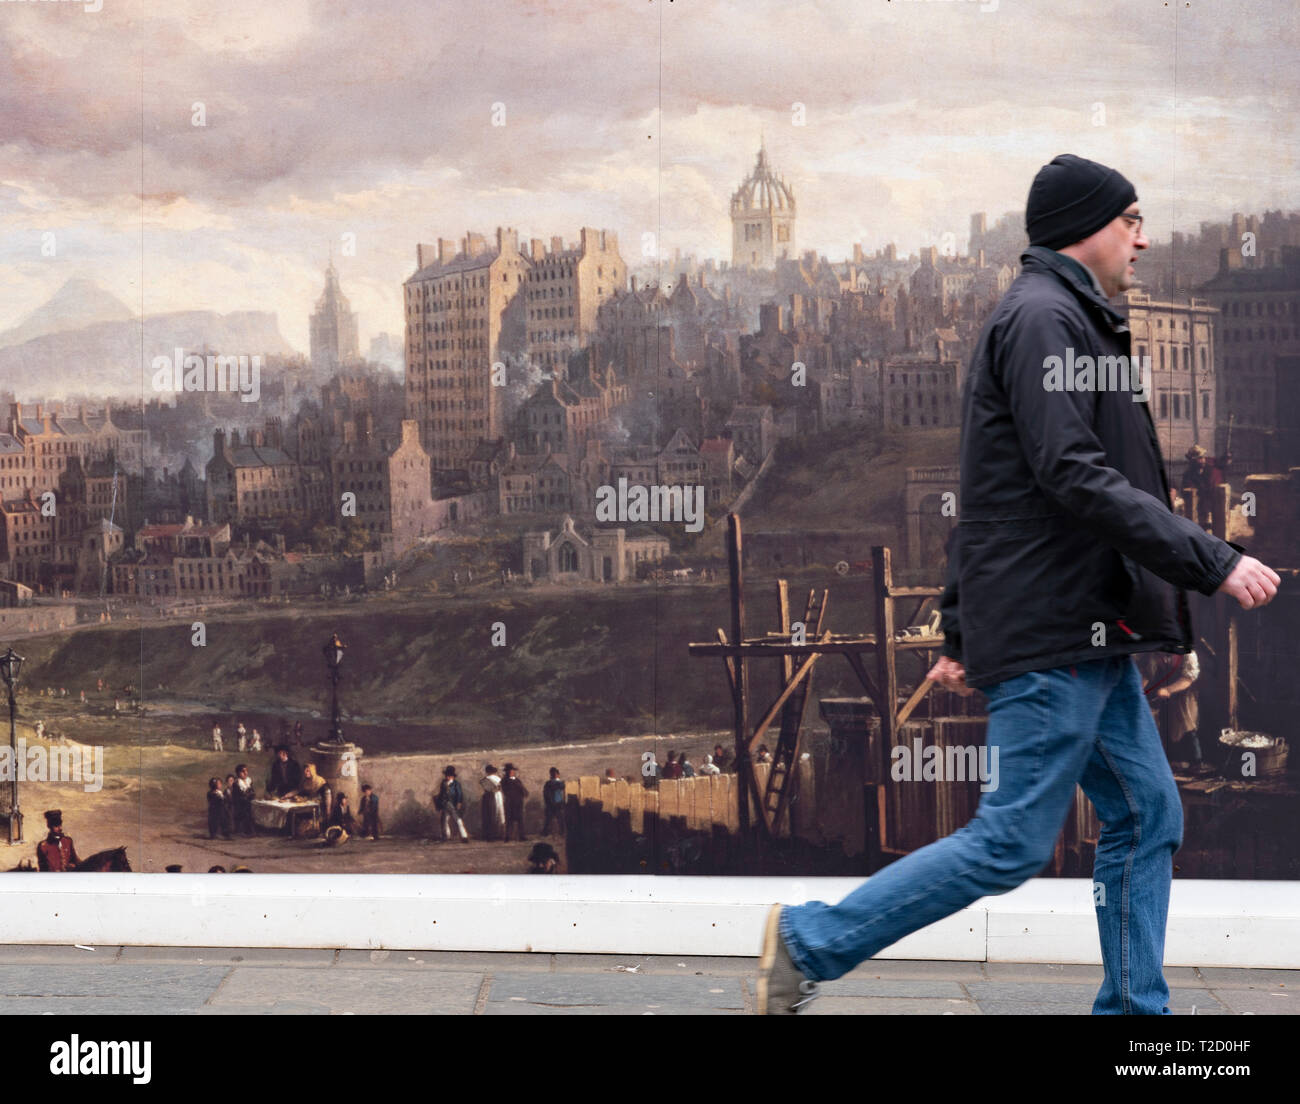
299	816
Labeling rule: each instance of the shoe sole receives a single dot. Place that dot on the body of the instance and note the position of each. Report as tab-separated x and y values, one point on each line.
767	958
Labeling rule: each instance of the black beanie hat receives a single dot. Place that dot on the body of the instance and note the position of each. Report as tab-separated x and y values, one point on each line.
1072	198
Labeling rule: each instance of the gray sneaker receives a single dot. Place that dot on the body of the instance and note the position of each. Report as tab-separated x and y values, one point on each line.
782	988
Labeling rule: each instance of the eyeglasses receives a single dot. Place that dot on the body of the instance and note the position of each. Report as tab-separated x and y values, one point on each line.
1133	220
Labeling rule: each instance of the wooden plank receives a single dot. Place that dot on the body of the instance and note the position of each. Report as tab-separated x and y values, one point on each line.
775	707
636	807
736	580
767	649
669	798
914	700
1232	668
911	802
730	665
724	801
697	815
783	624
864	677
886	665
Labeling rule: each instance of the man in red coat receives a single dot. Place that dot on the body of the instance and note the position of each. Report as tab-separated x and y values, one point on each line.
56	851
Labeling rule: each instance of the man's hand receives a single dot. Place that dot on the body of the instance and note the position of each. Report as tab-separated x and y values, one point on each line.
951	675
1251	583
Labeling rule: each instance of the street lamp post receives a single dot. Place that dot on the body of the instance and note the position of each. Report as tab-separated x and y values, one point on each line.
333	660
11	664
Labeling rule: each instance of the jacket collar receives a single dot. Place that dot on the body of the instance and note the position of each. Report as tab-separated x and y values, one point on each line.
1039	257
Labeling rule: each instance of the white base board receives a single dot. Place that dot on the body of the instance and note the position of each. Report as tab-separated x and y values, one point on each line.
1211	923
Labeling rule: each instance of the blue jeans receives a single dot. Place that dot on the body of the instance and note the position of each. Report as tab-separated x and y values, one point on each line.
1089	725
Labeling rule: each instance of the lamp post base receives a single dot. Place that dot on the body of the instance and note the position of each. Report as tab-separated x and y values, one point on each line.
15	822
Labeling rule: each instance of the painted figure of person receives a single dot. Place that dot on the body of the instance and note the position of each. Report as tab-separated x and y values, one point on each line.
450	803
493	804
553	802
56	853
514	792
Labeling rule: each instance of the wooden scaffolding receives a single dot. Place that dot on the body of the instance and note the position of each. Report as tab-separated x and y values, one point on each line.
798	650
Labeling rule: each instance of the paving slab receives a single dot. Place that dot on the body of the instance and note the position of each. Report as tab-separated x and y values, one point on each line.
232	956
1043	971
376	992
1032	1008
890	1006
512	1008
114	980
1222	977
56	952
279	1008
464	961
900	968
1182	998
1261	1002
573	989
683	965
135	1004
891	987
1032	991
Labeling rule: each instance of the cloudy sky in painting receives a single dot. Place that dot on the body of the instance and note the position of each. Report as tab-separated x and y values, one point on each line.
375	119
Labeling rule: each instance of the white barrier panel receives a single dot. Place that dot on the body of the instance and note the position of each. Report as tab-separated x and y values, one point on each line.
1211	923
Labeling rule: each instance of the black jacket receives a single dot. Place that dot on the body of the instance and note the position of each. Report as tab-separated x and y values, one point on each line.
1066	547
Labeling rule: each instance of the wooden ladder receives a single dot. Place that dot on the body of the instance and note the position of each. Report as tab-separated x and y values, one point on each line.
782	781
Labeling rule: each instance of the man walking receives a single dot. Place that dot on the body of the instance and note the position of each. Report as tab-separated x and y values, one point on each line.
514	792
553	802
1066	561
369	812
451	804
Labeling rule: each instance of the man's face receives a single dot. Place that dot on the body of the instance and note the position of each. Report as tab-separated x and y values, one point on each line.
1113	250
284	756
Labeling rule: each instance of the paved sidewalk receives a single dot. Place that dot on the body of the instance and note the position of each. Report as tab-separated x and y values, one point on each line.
251	981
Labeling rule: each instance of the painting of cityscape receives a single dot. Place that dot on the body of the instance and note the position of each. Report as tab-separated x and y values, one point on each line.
438	444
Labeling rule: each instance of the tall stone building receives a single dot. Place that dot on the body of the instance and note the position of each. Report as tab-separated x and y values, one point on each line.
1178	336
389	479
464	313
762	218
333	328
1259	359
565	289
251	479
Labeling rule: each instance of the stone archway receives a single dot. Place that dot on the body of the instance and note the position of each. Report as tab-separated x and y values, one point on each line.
927	523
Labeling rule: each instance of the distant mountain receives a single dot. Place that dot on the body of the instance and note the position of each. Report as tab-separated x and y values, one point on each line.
76	304
107	358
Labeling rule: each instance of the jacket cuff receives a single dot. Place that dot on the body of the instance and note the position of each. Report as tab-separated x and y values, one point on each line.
1230	561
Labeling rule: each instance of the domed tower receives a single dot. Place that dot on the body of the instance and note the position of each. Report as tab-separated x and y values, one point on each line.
762	218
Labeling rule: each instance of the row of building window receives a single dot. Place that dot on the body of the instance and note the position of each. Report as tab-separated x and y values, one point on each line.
1273	333
1256	307
1182	405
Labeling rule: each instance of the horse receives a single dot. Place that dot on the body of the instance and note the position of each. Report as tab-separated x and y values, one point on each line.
111	861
